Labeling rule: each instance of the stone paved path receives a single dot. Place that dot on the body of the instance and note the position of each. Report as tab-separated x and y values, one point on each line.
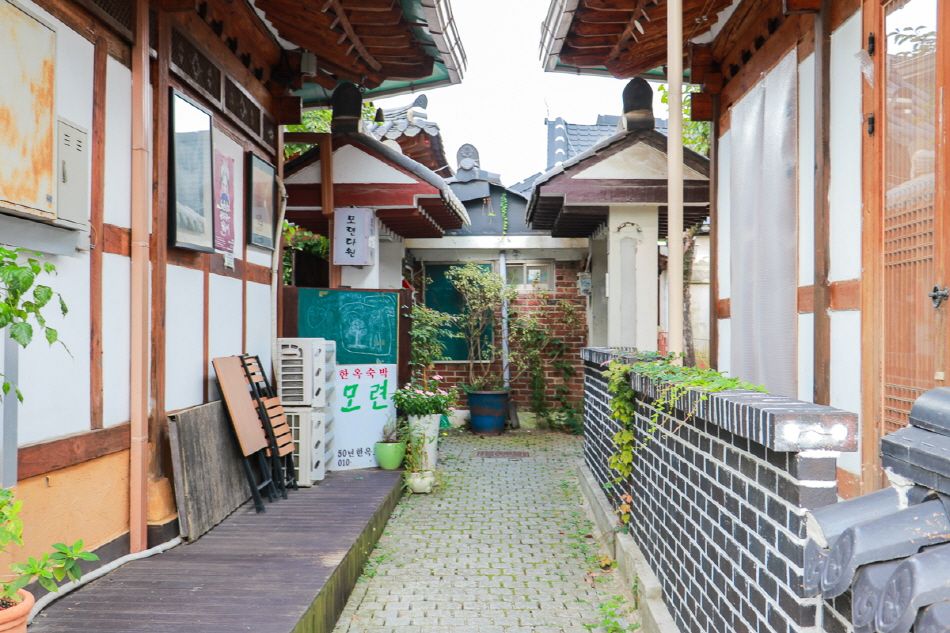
502	547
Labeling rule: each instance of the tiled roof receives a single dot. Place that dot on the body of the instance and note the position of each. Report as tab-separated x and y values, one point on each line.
408	122
566	140
891	548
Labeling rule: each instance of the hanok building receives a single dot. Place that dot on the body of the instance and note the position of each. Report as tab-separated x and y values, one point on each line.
415	134
140	153
828	176
614	193
530	260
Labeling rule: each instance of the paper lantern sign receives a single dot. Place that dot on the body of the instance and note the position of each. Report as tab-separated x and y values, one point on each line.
354	236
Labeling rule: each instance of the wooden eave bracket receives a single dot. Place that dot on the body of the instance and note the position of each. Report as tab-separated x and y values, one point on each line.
790	7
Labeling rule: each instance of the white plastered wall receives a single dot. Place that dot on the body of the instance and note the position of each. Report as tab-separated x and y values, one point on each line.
224	331
723	246
391	254
184	338
258	317
632	276
845	217
118	145
55	383
116	341
598	298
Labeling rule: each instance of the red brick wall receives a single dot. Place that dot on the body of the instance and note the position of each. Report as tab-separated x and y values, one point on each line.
550	317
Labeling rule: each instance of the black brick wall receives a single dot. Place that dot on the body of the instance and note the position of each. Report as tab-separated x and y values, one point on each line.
719	517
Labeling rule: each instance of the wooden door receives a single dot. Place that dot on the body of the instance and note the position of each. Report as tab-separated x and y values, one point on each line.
914	232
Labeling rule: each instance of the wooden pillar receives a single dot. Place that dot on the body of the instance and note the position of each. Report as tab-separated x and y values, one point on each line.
96	221
326	193
714	235
822	342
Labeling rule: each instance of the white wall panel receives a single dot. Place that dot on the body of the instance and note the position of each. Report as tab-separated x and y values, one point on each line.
846	371
846	131
116	317
725	345
806	172
224	317
259	323
259	256
184	338
806	357
723	244
54	382
74	69
118	148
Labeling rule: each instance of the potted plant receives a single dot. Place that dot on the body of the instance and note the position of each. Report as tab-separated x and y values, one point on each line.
424	403
390	450
483	292
419	477
22	312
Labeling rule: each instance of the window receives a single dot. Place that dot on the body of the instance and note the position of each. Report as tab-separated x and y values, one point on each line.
530	276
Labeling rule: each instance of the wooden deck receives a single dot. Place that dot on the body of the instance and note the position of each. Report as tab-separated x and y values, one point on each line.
289	570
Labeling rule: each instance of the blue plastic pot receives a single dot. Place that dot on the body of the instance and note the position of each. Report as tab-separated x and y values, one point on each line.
489	410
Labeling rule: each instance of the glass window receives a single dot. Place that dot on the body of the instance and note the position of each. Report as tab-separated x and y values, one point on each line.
515	273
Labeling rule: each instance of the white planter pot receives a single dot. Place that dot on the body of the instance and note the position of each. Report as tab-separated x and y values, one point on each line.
427	427
421	482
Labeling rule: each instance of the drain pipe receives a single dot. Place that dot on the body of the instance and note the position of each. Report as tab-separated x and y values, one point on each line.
276	283
139	340
99	572
674	154
503	271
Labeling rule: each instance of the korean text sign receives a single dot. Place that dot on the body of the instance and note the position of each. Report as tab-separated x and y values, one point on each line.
354	235
362	403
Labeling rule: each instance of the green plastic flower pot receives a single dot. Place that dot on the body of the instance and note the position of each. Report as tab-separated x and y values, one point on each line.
389	454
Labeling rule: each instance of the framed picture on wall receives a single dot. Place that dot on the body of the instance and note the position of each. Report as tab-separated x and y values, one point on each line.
191	200
223	202
261	201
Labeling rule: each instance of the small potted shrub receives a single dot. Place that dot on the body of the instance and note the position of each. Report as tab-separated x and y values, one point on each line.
424	403
482	292
391	449
419	476
48	570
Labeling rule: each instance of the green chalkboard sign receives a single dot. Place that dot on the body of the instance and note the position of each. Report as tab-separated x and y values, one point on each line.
364	324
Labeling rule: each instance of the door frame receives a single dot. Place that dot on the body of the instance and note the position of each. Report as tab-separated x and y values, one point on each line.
872	247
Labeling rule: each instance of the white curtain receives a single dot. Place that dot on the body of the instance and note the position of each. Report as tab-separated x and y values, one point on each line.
764	231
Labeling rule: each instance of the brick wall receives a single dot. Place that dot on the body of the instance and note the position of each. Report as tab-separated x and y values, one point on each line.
575	338
719	500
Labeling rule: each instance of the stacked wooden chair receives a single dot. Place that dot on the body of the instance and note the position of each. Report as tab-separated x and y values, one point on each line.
260	426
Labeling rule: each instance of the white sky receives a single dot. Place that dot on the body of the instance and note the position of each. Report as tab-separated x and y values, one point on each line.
504	97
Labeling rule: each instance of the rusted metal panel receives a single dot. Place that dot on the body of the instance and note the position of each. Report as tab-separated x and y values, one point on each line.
27	107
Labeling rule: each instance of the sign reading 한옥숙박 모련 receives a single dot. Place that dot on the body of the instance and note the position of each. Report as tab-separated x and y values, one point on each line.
362	404
354	234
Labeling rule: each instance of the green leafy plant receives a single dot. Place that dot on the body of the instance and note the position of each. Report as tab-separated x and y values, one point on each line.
504	214
416	460
49	569
674	381
482	292
391	432
297	239
319	121
426	333
24	301
424	398
696	134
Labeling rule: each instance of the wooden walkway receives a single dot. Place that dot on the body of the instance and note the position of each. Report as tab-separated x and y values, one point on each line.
289	570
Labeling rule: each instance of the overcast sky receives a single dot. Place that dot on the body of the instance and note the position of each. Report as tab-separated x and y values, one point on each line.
502	102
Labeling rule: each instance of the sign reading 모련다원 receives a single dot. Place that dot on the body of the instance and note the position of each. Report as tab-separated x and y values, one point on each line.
362	404
354	234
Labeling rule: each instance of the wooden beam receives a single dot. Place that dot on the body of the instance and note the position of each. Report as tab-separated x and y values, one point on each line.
116	240
701	62
305	138
346	24
701	106
45	457
723	308
822	298
327	201
97	212
845	295
800	6
287	110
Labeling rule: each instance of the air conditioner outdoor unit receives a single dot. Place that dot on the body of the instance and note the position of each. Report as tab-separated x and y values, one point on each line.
305	371
310	444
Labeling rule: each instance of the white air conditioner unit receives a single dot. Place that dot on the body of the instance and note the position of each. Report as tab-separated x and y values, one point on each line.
310	443
305	371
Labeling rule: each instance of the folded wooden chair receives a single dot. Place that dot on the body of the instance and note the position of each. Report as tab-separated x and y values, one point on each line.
280	435
246	422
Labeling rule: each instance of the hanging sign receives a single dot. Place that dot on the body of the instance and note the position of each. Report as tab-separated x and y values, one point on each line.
353	236
362	404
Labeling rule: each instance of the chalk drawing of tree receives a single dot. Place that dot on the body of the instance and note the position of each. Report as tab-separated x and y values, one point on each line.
356	331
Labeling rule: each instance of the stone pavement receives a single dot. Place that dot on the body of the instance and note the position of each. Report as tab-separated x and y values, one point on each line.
503	546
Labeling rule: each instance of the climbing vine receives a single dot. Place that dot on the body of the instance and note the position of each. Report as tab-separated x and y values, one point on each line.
504	214
675	381
297	239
